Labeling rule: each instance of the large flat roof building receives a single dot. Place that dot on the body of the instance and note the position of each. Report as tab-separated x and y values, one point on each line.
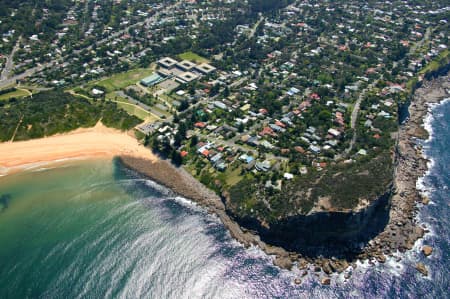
205	68
152	80
167	62
186	77
186	65
165	73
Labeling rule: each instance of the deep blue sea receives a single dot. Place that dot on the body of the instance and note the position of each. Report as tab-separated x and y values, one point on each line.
95	230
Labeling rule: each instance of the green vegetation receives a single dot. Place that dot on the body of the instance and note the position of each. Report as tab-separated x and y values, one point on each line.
122	80
440	61
13	93
346	185
343	186
136	111
286	86
52	112
267	5
192	57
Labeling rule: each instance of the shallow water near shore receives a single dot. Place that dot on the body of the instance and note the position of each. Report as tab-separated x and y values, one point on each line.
93	229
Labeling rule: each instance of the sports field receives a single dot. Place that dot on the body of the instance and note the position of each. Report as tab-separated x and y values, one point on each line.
122	80
192	57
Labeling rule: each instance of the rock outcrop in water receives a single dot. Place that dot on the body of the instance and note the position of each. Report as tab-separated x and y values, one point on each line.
4	201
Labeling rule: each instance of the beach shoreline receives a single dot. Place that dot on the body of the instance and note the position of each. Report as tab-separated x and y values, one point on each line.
400	234
85	143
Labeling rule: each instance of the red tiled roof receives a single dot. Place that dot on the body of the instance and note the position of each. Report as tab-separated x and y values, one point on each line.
200	125
267	131
314	96
280	124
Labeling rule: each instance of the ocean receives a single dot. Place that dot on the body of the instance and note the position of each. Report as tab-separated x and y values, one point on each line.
92	229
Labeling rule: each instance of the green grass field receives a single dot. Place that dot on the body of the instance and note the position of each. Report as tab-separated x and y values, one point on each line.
232	177
14	94
122	80
136	111
131	108
193	57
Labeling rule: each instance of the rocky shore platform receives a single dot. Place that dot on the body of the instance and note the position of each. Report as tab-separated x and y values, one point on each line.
181	182
401	231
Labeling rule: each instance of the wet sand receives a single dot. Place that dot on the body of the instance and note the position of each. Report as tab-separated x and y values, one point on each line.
96	142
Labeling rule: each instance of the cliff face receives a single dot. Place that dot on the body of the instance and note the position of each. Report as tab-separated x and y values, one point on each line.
325	233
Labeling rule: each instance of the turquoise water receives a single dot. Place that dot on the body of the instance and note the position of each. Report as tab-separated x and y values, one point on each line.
89	229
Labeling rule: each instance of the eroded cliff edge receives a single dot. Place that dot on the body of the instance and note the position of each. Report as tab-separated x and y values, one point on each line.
379	228
384	224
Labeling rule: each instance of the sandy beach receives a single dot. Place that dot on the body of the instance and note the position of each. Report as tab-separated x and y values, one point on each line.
96	142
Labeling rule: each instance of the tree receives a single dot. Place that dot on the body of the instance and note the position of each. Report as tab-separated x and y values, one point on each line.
241	127
324	115
194	140
183	105
176	158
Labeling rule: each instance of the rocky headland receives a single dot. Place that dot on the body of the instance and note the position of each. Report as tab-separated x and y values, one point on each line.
400	229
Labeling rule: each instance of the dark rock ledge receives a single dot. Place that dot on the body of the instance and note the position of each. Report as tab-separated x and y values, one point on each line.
399	233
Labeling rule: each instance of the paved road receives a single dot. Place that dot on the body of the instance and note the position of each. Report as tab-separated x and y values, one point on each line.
253	31
355	113
85	17
239	82
27	73
10	61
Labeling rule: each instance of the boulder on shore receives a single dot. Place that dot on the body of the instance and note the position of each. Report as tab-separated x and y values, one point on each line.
422	269
425	200
283	262
427	250
326	268
325	281
381	258
302	264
